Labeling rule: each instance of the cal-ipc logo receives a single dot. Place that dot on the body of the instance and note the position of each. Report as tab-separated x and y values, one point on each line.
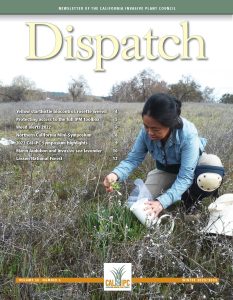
117	276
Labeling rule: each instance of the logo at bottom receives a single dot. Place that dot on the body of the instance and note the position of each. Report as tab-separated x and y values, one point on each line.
117	276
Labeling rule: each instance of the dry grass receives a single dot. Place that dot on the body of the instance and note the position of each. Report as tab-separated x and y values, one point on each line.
56	220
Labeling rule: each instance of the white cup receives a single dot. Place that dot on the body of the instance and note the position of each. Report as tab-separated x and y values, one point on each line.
138	208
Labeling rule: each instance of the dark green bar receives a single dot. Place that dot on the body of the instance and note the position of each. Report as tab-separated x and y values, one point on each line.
119	7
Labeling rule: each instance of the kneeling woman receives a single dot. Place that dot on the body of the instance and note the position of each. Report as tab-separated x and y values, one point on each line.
174	144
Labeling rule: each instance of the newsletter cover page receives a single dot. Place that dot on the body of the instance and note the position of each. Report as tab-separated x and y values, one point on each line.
116	175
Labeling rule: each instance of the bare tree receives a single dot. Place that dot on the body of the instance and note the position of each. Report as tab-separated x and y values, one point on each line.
20	89
78	87
139	88
187	90
144	83
208	94
123	92
23	82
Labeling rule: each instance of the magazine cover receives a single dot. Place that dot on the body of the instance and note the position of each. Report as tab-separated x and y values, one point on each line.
116	175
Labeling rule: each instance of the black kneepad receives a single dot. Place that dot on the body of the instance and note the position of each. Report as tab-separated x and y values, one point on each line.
207	180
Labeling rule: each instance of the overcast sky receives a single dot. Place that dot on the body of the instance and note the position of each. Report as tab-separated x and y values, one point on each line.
54	74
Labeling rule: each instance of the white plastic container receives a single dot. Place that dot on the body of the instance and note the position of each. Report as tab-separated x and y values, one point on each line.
138	208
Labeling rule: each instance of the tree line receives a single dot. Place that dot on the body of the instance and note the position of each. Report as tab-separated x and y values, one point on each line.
135	89
146	83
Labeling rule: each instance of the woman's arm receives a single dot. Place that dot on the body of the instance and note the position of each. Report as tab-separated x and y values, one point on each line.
134	158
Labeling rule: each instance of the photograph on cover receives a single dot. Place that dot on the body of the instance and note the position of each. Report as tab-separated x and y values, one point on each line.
116	147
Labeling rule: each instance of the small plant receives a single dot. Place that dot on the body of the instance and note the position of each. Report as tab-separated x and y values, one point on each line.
116	187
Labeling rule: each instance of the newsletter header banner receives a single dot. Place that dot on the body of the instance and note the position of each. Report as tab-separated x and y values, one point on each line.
119	7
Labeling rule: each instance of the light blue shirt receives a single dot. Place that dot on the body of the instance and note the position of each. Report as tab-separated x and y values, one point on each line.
182	147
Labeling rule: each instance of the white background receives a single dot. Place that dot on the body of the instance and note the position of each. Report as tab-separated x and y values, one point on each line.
55	74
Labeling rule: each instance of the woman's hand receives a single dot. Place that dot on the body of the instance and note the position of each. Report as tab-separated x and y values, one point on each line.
153	208
108	180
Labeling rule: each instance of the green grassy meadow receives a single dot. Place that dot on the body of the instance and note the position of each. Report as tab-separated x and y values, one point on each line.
56	220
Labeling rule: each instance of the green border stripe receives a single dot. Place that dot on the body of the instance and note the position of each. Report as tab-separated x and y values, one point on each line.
119	7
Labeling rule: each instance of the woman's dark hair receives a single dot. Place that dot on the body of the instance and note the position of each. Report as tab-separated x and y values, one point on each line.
165	109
